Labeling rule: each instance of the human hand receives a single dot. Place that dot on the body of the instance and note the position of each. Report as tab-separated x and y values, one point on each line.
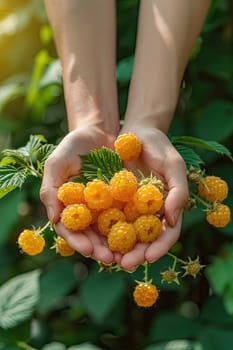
161	158
63	165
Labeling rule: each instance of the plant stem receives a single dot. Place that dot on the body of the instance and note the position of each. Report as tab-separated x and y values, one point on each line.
201	200
25	346
175	258
145	271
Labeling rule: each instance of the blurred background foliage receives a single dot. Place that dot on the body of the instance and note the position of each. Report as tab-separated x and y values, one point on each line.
63	302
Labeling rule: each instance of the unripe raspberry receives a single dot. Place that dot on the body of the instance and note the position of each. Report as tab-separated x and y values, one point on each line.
62	247
128	146
31	242
76	217
148	199
123	185
108	218
131	212
213	188
220	216
170	276
148	228
145	294
122	237
71	193
192	267
98	195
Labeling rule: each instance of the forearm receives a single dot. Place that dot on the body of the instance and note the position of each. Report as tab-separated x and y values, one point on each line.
166	34
84	33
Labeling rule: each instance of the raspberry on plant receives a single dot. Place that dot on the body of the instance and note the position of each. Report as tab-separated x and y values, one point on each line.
219	216
148	228
213	188
71	193
122	237
98	195
31	242
108	218
145	294
148	199
128	146
62	247
76	217
131	212
123	185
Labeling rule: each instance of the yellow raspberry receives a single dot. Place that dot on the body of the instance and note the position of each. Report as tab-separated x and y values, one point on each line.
148	199
71	193
219	216
131	212
117	204
148	228
62	247
94	215
213	188
123	185
128	146
108	218
31	242
145	294
122	237
98	195
76	217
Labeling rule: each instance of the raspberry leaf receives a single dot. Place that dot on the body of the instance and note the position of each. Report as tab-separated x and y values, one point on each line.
102	163
191	158
208	145
11	178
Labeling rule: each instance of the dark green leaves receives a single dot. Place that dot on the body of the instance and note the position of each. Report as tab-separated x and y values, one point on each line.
101	163
18	298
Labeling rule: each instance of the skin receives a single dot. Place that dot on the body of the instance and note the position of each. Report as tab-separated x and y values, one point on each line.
166	34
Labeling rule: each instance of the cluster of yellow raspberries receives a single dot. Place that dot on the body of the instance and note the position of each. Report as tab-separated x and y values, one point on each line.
124	210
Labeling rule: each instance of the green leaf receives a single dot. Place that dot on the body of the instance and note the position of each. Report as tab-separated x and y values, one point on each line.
44	151
103	163
8	92
5	190
18	298
215	338
54	346
124	70
52	75
60	275
197	142
176	345
10	177
228	299
34	143
100	292
191	158
84	346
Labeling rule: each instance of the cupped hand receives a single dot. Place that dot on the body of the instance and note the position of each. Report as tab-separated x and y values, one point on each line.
63	165
160	158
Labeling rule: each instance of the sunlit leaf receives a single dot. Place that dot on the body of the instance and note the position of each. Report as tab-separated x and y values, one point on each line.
11	176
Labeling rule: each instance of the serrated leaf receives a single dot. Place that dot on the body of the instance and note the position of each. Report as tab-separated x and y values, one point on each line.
102	163
5	190
35	141
10	176
44	151
7	160
18	298
208	145
191	158
20	156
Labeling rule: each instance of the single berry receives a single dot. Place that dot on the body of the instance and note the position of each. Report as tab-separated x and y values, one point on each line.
108	218
213	188
123	185
148	199
98	195
71	193
76	217
219	216
128	146
62	247
122	237
148	228
31	242
131	211
145	294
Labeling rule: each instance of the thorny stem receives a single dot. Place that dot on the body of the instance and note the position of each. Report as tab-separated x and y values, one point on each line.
48	224
200	200
176	259
174	264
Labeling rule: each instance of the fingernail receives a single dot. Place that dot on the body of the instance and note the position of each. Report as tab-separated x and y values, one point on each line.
50	213
175	217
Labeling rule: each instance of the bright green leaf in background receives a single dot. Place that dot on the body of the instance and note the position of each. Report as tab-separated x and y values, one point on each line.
18	298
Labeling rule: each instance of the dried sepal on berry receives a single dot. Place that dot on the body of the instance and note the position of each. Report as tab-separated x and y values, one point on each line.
151	180
62	247
192	267
170	276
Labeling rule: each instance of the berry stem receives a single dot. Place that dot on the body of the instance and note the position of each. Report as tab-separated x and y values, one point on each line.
145	278
201	200
42	229
175	258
